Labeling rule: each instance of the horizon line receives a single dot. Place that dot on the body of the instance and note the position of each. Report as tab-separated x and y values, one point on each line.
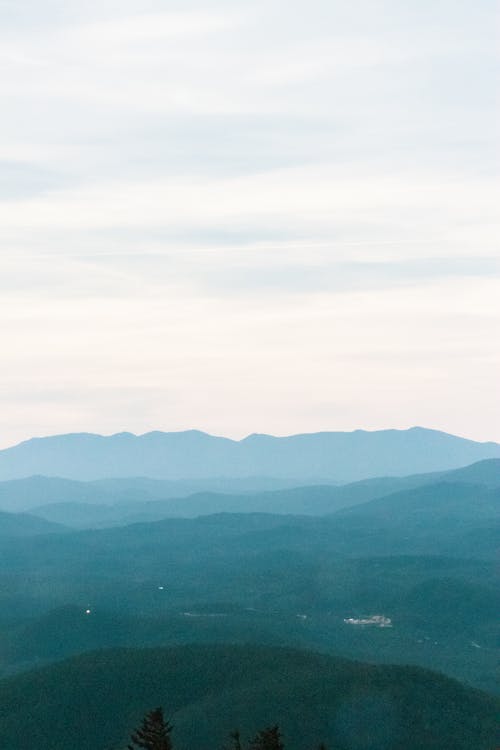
128	433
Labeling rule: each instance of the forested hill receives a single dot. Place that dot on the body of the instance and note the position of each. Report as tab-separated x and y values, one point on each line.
92	702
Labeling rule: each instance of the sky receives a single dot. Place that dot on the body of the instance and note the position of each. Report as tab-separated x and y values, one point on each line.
245	217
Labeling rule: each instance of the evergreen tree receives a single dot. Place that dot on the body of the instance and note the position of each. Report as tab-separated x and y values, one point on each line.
235	741
268	739
153	734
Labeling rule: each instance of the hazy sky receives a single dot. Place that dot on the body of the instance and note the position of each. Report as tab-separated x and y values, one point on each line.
254	216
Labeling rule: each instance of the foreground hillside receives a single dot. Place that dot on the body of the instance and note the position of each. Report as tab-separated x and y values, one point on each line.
91	702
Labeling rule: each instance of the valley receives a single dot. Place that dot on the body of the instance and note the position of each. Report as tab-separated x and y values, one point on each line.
383	571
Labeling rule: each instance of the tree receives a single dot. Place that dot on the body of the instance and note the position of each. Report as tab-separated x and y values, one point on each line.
153	734
235	741
268	739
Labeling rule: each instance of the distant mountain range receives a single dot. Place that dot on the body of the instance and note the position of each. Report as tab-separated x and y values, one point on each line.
23	494
309	458
120	502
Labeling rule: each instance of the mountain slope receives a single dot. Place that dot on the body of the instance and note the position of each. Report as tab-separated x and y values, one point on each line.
485	472
313	500
431	503
25	525
29	492
93	701
342	456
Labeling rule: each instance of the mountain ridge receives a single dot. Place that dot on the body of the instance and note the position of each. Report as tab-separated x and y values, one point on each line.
192	454
27	525
315	500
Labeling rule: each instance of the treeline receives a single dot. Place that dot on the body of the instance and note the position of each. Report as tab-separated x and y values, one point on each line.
155	734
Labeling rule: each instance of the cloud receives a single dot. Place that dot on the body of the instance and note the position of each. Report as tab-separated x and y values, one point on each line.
240	217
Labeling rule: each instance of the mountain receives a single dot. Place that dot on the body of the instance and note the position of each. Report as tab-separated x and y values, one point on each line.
314	500
419	557
430	503
453	519
25	525
26	493
94	701
485	472
326	456
450	517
